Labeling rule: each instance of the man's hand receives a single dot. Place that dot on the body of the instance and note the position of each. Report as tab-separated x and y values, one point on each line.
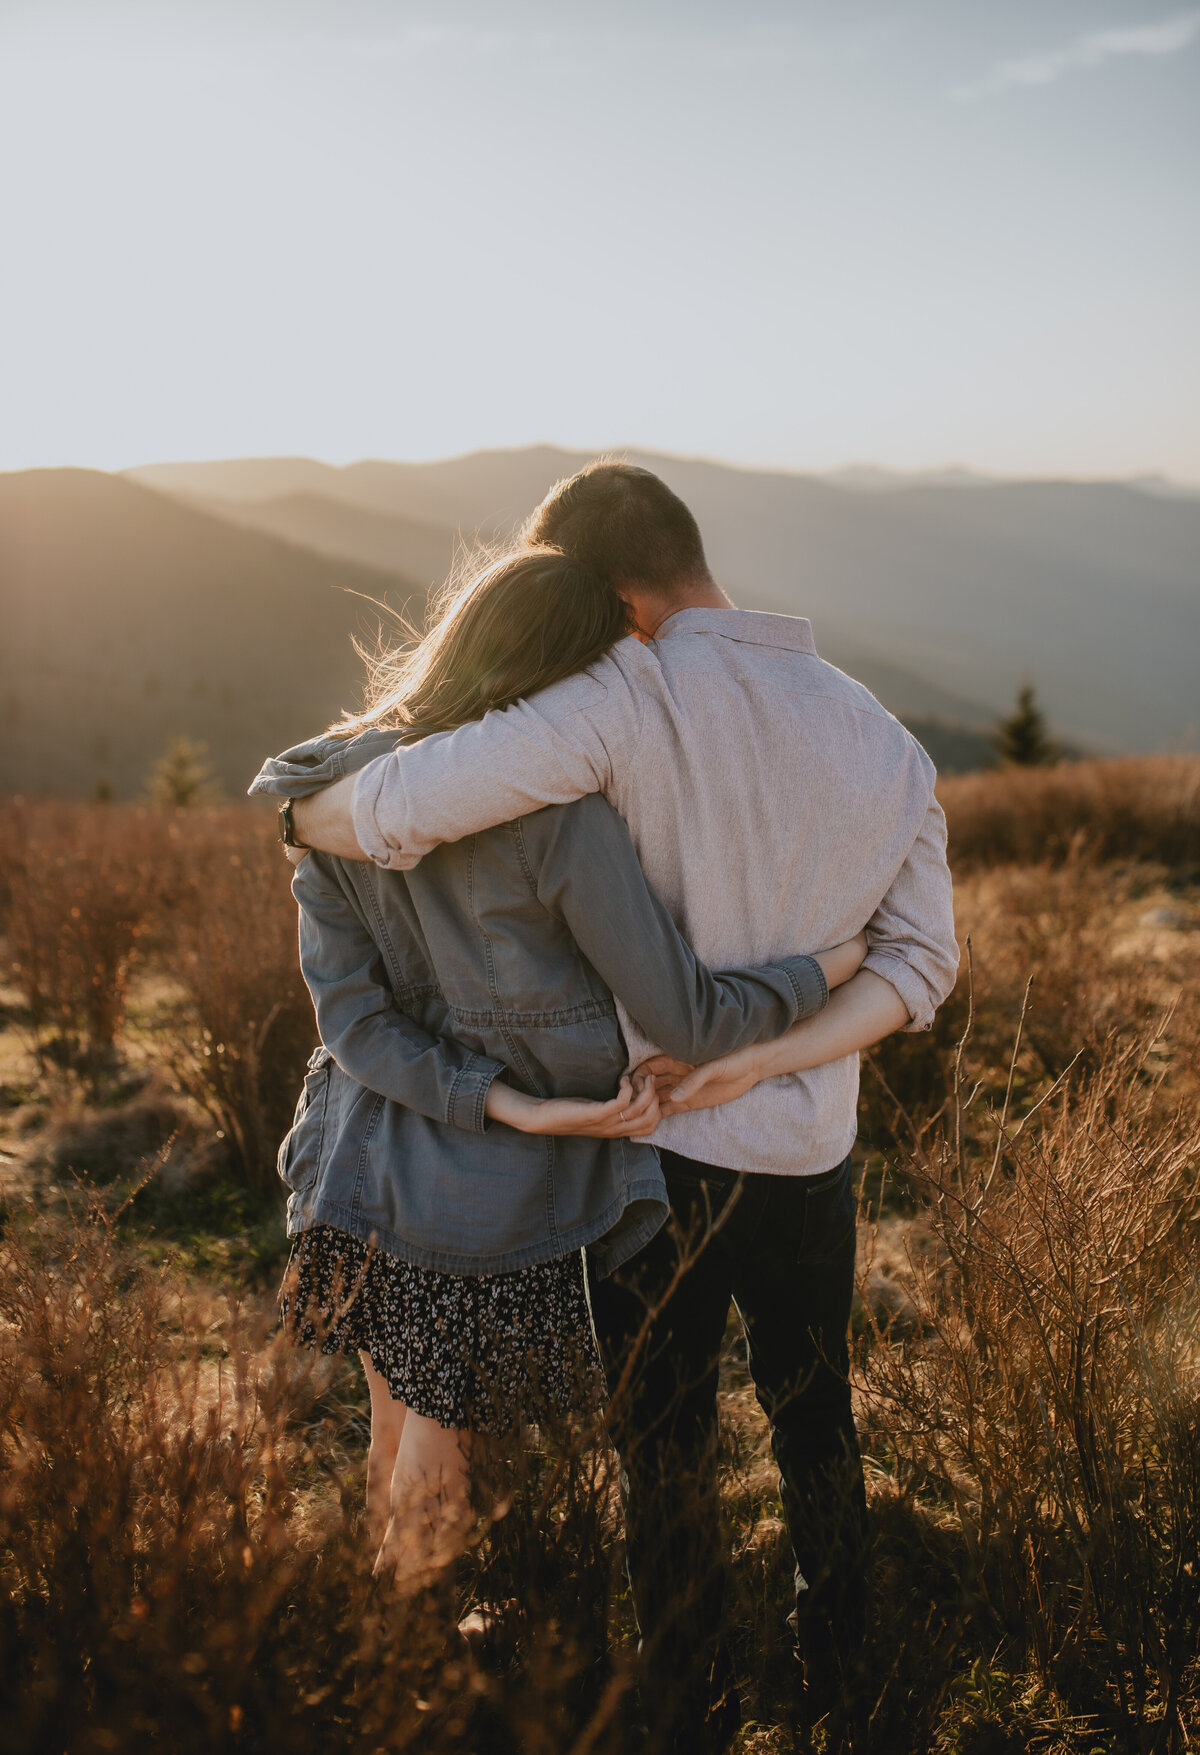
631	1114
681	1087
858	1015
325	821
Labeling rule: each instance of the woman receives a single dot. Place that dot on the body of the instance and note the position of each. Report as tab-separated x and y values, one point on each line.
456	1144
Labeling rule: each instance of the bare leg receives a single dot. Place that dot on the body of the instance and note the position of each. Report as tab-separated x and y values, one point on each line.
387	1428
431	1511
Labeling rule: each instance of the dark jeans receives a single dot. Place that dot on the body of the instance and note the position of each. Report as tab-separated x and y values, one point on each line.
782	1249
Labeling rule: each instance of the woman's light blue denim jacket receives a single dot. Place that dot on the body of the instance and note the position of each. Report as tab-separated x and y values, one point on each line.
495	956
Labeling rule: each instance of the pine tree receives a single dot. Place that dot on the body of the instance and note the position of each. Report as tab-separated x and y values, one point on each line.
181	777
1022	738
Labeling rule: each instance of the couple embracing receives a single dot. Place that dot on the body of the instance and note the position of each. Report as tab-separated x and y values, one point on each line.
599	832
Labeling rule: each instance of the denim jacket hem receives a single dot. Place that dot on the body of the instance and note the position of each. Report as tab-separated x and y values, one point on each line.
626	1238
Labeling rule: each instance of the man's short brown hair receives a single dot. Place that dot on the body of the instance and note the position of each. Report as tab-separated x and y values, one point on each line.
624	522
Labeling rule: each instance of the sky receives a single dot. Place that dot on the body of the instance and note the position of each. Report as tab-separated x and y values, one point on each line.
795	233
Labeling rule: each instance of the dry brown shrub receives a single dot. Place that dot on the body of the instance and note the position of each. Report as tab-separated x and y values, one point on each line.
148	1527
1062	950
1136	808
239	1044
1071	931
83	884
110	1142
182	1557
1051	1416
94	891
1031	1425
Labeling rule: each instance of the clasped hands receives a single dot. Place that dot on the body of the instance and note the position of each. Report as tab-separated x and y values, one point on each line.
659	1086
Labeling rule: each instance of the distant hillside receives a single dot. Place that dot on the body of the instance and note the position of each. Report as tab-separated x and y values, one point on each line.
959	590
419	550
130	618
132	612
953	749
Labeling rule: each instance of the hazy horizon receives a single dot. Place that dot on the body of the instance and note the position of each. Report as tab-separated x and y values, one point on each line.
846	470
920	235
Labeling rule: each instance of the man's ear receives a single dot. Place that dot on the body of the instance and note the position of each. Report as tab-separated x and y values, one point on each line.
643	617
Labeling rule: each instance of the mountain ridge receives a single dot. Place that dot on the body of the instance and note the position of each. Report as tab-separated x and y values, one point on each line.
1089	590
135	612
133	618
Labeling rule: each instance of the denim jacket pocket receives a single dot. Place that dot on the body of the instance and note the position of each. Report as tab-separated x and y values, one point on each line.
300	1153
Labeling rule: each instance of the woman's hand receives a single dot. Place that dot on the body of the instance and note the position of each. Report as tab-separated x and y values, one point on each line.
631	1114
844	960
660	1086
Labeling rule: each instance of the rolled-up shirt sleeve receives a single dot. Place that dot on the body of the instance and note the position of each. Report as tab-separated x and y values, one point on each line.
551	749
911	934
366	804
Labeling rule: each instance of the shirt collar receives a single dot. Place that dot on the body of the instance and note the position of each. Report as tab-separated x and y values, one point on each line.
750	627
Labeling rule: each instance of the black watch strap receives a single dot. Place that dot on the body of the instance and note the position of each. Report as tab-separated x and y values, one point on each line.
287	825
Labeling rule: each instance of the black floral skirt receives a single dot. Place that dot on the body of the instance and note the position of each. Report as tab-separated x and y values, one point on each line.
480	1353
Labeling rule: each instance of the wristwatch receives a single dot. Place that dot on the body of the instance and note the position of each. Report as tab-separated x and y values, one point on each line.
287	825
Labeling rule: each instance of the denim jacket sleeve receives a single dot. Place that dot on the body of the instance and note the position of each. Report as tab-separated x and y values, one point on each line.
587	871
360	1023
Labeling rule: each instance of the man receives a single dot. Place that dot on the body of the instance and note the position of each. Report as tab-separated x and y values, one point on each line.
777	808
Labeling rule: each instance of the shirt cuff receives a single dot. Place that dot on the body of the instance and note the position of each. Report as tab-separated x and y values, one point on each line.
908	984
364	807
468	1094
808	984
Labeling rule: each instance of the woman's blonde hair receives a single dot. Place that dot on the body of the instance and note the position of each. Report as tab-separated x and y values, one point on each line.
518	623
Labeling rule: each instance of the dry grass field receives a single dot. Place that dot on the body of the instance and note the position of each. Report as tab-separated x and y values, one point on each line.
180	1547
